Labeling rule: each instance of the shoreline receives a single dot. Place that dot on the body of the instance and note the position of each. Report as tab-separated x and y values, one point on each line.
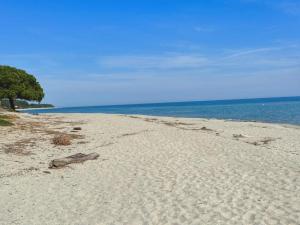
174	117
35	108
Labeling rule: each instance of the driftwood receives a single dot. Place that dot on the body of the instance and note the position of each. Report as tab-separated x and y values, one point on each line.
77	158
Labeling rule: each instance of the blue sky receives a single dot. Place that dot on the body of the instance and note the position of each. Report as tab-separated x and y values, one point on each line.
125	51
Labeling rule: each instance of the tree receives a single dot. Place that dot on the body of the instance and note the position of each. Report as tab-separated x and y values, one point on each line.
18	84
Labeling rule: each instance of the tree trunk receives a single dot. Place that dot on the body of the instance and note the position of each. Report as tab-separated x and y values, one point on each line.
12	104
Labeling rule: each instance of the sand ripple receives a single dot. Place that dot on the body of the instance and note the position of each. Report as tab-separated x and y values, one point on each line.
159	171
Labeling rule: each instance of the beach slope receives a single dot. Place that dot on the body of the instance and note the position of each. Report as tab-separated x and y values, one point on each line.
151	170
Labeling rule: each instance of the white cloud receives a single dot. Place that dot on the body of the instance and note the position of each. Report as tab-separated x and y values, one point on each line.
244	52
254	59
154	61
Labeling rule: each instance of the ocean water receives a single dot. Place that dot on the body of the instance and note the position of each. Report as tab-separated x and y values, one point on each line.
273	110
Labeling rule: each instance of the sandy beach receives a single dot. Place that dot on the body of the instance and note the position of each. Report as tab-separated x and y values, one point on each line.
151	170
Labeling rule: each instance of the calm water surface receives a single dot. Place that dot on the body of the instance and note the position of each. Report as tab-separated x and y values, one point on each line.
274	110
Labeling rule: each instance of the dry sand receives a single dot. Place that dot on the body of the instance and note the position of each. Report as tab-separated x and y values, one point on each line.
151	170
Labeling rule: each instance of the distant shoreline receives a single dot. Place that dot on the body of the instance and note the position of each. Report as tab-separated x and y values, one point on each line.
36	108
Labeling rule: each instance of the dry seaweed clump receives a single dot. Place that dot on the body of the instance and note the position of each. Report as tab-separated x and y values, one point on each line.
8	117
62	139
19	147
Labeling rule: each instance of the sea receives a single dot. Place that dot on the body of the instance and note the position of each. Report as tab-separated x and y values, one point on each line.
273	110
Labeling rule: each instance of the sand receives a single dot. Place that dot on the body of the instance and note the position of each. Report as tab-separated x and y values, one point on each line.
151	170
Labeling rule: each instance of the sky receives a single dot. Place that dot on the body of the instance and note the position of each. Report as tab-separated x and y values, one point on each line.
102	52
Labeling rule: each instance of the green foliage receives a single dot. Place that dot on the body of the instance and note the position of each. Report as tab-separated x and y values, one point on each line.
17	84
5	123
